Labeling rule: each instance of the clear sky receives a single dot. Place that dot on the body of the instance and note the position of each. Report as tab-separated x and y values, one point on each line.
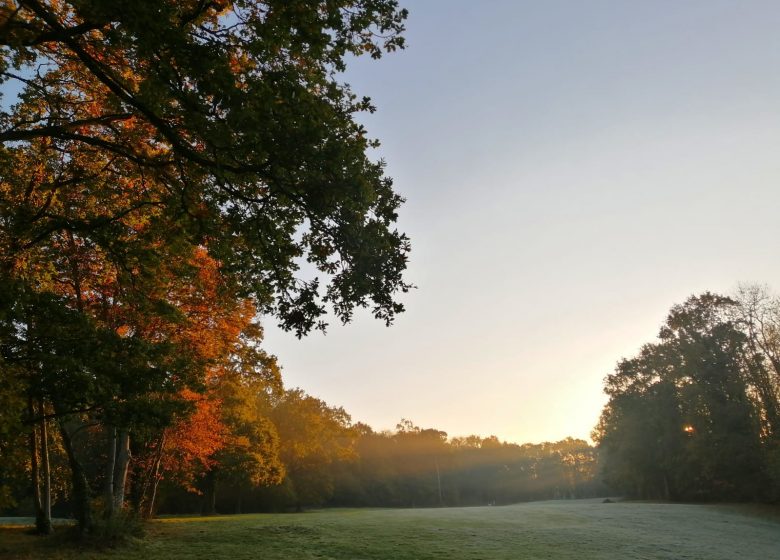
571	169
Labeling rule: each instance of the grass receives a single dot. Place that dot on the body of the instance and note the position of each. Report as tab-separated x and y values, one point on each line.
557	530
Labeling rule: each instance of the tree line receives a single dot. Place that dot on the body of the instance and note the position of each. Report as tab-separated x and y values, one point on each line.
695	415
356	466
255	446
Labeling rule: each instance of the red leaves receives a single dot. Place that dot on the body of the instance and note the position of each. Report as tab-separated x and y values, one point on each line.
191	444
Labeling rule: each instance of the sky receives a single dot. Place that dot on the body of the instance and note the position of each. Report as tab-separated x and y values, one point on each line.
572	170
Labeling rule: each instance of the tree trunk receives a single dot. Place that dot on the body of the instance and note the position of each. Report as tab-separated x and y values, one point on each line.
769	394
155	483
108	487
210	497
45	525
81	503
149	508
135	496
34	470
120	469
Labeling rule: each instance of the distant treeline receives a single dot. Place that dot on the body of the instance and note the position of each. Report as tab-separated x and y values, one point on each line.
696	414
416	467
410	467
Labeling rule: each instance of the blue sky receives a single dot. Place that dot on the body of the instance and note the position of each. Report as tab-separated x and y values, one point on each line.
571	169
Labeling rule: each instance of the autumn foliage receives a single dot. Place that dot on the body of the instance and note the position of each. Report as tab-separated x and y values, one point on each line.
164	167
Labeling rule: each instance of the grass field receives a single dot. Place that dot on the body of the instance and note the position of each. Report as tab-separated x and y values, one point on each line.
557	530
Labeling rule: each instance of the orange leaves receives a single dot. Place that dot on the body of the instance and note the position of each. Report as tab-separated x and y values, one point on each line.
6	11
192	443
215	318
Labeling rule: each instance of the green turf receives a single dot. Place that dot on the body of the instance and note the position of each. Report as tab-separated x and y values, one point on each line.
557	530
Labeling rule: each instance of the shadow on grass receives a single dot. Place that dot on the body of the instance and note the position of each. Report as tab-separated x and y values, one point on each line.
20	541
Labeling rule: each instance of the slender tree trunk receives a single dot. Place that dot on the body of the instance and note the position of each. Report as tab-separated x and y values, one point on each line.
149	509
135	495
108	488
769	394
81	504
120	469
34	470
210	505
140	489
153	480
45	526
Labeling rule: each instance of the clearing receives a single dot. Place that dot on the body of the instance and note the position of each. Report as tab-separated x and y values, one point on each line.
559	530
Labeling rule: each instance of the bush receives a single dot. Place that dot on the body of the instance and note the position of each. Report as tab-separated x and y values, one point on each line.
117	530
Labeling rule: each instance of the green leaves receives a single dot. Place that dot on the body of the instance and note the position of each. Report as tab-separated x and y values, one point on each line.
239	129
682	422
65	358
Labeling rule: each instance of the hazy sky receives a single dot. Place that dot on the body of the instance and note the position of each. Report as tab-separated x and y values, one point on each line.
571	169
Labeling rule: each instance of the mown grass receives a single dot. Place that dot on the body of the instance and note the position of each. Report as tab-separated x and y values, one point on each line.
556	530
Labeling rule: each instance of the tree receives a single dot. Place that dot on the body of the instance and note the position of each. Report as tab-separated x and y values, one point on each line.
758	314
122	368
680	422
424	454
250	455
225	122
312	437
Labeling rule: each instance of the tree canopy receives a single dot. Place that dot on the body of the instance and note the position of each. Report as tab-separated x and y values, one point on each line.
144	125
692	416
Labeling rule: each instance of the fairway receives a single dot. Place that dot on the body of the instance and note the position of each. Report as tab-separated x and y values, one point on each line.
554	530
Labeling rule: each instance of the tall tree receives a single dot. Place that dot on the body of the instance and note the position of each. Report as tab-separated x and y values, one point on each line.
758	313
312	436
680	422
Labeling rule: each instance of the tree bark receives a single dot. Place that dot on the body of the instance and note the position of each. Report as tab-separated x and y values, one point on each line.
108	487
45	526
34	469
81	504
210	505
120	469
152	480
